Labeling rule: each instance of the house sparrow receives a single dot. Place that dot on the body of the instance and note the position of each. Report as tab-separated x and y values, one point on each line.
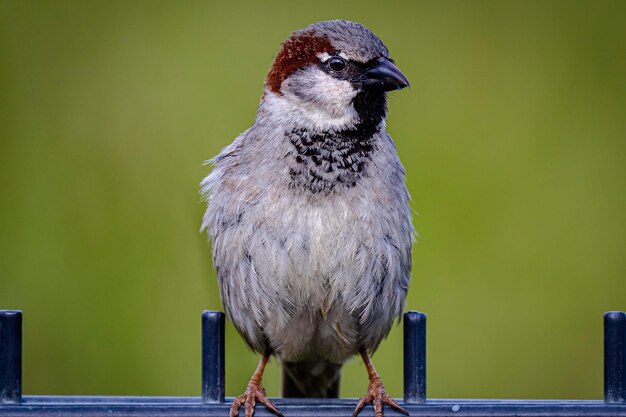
309	216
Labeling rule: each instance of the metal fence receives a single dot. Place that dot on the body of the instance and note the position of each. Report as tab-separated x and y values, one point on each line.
212	402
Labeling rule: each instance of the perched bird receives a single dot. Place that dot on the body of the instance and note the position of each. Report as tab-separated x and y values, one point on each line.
309	216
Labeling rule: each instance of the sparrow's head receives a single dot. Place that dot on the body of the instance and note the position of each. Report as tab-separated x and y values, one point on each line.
332	75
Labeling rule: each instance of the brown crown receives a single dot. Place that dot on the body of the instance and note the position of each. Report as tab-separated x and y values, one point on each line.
298	51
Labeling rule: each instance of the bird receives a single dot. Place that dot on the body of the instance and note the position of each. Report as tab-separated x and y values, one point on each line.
308	216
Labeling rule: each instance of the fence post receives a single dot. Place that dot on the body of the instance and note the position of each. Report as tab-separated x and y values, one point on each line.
615	357
10	357
212	357
414	357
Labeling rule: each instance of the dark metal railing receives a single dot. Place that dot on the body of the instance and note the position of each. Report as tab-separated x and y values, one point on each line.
212	402
10	357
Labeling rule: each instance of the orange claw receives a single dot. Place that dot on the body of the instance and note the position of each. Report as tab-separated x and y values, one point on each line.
254	392
375	392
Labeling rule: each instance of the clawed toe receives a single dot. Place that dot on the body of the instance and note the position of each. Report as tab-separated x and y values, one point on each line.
254	393
378	397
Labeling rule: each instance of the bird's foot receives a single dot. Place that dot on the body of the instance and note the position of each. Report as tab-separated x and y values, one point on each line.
254	392
376	394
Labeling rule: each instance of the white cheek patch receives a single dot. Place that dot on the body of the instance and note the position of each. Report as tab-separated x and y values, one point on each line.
325	89
313	98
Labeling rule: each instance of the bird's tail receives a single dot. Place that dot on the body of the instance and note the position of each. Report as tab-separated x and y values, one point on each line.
319	379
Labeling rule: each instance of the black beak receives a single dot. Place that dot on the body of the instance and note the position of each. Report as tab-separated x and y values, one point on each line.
384	76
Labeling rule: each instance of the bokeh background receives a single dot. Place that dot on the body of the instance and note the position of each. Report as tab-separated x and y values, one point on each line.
513	136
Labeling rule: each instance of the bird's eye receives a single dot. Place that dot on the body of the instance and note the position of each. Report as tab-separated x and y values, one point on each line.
336	63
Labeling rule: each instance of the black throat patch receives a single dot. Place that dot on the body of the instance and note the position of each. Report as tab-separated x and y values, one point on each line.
324	161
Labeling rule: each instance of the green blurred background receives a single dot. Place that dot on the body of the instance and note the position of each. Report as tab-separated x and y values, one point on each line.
513	136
